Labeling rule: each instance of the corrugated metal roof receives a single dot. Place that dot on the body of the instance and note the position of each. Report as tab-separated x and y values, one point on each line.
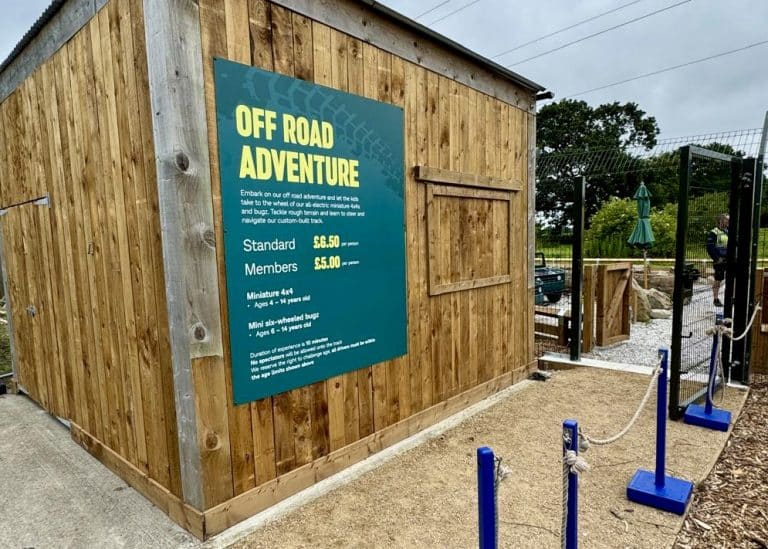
497	69
47	15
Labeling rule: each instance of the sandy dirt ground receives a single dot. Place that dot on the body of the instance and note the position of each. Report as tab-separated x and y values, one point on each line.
427	496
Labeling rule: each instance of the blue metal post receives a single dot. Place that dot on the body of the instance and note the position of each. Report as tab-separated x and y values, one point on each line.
486	497
661	419
571	433
712	362
655	488
708	415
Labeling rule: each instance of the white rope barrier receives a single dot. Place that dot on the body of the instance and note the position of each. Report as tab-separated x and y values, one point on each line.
725	330
729	331
587	440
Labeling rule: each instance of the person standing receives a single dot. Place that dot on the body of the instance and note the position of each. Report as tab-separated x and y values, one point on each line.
717	248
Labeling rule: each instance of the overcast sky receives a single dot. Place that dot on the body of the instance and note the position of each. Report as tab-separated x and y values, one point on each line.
726	93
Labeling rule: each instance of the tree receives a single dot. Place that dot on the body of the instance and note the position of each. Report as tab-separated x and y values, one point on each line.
661	173
569	127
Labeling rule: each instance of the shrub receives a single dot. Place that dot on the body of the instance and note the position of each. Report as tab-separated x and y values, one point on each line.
614	222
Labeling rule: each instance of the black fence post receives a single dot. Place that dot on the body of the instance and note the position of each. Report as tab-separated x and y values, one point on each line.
677	292
577	267
743	290
734	212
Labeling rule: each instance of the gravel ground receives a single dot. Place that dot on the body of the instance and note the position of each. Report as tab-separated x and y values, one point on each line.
427	496
645	338
731	507
641	348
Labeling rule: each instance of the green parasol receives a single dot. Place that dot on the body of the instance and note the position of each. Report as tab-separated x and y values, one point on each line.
642	235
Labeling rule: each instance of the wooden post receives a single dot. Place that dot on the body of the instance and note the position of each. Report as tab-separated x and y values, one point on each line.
174	58
588	330
531	186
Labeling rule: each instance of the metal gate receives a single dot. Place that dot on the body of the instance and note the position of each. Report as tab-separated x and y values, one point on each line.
713	185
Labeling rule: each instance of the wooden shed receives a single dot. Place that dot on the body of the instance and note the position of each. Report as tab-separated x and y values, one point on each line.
248	243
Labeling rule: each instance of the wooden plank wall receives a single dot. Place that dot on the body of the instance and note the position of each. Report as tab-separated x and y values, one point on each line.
96	352
456	340
759	354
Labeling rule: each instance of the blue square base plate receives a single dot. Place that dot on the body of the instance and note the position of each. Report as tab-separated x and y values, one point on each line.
673	497
719	420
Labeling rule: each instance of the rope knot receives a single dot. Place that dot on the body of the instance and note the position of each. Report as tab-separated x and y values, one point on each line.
576	463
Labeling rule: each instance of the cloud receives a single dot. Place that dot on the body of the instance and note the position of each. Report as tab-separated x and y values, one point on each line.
722	94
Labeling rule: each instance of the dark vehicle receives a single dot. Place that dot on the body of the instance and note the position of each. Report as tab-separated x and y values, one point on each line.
539	292
552	279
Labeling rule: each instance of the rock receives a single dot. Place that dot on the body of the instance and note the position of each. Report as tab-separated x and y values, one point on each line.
661	313
643	310
658	299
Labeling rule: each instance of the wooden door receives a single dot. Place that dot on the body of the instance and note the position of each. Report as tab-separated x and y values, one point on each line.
38	364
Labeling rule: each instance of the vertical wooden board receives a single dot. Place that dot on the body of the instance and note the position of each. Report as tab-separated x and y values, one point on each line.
260	25
513	252
326	63
214	448
11	267
449	241
71	98
389	371
164	466
601	300
233	43
339	60
122	118
50	222
282	54
310	404
446	102
304	47
150	435
413	271
60	189
237	30
467	372
241	442
109	147
50	365
33	172
432	155
81	77
282	40
41	390
373	81
361	82
22	151
400	365
21	167
263	440
16	269
496	291
589	309
305	404
110	407
16	266
529	177
262	418
4	168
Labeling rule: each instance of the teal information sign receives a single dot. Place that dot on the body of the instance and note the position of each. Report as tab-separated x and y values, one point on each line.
314	240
